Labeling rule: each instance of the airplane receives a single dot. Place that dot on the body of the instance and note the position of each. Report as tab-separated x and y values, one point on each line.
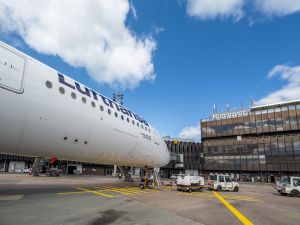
45	113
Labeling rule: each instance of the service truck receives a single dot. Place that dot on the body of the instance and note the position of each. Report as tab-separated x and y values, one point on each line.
190	183
221	182
291	187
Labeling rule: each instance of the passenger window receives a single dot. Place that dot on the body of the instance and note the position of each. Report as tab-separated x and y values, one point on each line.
221	178
48	84
142	126
101	107
61	90
73	95
93	104
128	120
138	124
109	112
122	117
133	122
227	179
116	114
296	182
83	100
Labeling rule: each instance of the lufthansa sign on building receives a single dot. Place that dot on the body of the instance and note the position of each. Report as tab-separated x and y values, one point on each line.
228	115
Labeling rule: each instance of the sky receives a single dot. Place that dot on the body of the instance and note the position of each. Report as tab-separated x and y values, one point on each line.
172	59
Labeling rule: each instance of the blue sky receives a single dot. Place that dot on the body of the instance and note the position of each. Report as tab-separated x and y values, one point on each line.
172	59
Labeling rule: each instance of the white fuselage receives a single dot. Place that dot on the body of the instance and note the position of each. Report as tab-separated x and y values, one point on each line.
46	114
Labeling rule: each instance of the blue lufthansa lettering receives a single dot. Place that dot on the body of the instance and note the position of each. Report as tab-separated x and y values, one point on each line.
85	92
94	95
105	100
61	79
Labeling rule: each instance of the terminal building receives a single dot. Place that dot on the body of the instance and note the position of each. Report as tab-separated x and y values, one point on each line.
191	157
257	144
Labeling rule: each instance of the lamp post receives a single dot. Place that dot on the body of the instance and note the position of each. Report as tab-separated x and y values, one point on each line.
201	161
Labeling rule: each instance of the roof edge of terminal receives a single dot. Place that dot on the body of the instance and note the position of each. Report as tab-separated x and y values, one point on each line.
275	104
258	107
178	139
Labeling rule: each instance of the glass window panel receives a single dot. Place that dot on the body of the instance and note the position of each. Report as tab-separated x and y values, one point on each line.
291	107
293	120
296	144
249	162
286	121
277	109
243	162
262	159
237	160
281	146
261	148
278	122
272	122
289	147
255	162
274	147
270	110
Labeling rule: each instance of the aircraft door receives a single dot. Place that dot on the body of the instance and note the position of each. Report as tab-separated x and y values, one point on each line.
12	68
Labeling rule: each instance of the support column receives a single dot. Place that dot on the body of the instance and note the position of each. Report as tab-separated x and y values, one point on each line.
115	170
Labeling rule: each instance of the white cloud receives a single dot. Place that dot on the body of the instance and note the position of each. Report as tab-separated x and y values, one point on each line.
213	9
89	34
277	7
192	132
291	91
133	10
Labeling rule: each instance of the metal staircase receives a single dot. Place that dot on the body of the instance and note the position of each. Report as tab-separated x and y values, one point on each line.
156	178
125	173
35	166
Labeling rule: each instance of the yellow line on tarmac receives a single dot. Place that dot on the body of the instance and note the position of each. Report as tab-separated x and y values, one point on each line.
134	190
95	192
69	193
103	188
118	191
244	199
234	211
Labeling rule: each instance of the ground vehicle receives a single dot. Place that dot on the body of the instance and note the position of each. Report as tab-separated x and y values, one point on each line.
222	182
53	172
190	183
291	187
146	182
175	176
280	183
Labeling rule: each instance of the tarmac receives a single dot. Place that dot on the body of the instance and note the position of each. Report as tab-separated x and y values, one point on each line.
92	200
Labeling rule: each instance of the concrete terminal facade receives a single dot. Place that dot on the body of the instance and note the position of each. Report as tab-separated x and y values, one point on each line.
257	144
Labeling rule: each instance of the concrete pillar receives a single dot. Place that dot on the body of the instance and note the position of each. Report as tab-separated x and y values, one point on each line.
115	170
